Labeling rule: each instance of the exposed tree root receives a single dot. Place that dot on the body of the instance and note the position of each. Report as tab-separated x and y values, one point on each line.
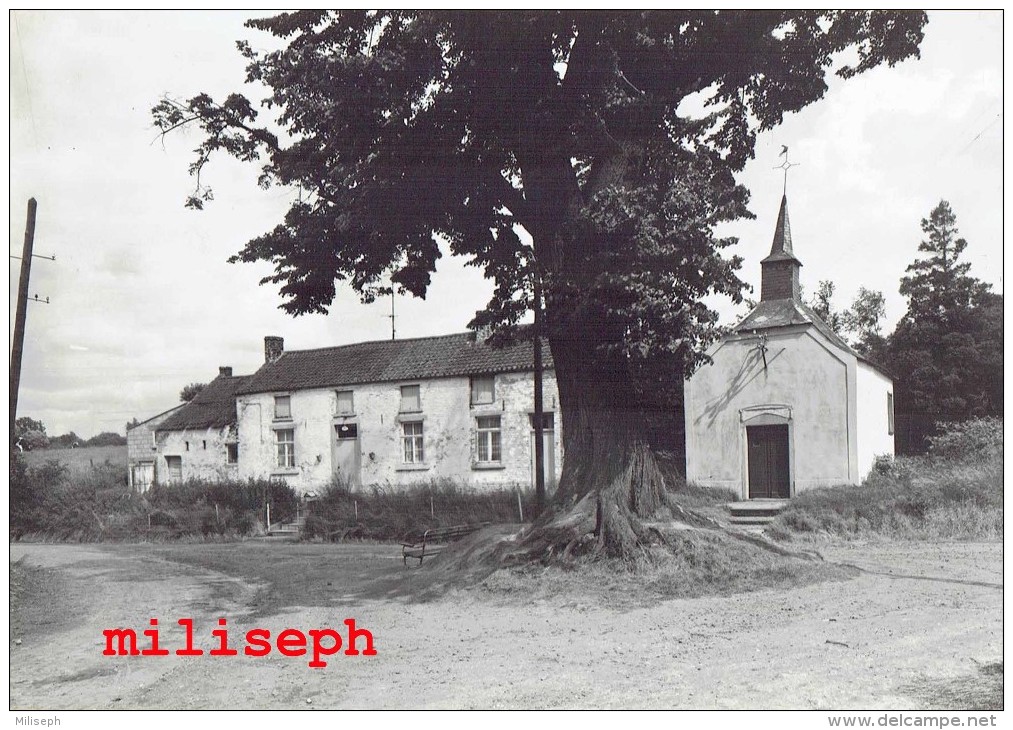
611	522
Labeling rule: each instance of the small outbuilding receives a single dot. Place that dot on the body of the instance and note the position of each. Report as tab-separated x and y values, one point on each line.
785	404
199	441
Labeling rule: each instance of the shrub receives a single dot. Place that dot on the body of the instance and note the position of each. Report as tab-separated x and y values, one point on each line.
978	438
48	500
390	513
912	498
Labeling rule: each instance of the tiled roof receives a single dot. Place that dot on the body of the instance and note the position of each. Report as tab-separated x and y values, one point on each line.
213	407
788	312
785	313
157	415
392	360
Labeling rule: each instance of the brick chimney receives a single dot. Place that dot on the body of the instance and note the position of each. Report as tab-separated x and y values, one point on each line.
273	348
225	370
780	269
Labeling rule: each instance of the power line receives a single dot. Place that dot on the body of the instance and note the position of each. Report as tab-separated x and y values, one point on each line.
988	126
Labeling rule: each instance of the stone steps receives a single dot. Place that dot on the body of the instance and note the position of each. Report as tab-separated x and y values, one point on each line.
755	512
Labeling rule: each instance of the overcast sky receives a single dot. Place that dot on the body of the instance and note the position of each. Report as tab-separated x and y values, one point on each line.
143	301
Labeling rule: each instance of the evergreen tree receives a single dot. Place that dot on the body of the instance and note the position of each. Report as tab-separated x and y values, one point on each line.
946	352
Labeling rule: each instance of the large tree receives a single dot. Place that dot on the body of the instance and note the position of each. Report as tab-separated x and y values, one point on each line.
946	351
408	127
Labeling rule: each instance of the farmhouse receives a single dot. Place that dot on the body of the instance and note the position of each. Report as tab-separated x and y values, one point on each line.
198	440
396	412
785	405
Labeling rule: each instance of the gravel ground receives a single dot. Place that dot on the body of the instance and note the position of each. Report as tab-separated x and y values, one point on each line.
919	627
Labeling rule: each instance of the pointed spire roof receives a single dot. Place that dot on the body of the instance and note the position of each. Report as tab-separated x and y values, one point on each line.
780	249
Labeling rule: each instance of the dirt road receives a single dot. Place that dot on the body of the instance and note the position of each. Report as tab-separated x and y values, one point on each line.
921	621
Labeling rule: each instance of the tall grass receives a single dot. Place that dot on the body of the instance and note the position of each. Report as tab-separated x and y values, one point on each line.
392	512
955	492
49	500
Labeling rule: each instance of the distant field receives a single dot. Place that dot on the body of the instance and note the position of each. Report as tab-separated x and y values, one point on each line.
80	459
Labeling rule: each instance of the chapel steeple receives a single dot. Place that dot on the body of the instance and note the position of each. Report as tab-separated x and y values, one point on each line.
779	278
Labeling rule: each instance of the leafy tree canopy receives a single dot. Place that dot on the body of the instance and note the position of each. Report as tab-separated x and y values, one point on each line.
190	391
406	124
25	424
106	438
409	127
859	325
66	441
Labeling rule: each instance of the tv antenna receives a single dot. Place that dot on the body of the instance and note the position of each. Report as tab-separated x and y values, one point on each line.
391	316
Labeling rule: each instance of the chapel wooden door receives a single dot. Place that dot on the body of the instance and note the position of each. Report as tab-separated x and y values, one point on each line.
768	462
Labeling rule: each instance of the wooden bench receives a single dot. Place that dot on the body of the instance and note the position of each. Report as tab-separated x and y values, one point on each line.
433	541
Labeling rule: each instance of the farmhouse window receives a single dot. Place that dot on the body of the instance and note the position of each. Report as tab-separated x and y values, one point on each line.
889	413
282	407
413	452
231	453
286	447
410	399
175	464
489	439
346	406
483	390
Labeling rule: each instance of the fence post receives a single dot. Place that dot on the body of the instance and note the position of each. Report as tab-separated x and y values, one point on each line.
520	505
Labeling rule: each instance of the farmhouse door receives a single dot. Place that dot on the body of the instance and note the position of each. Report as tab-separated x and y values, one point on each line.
768	461
144	475
346	455
549	449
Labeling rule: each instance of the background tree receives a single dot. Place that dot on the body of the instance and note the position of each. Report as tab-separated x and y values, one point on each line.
106	438
25	424
30	434
66	441
411	127
863	322
859	325
946	351
190	391
822	304
33	440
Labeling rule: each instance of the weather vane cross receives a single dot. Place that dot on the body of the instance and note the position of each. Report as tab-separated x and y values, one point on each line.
785	166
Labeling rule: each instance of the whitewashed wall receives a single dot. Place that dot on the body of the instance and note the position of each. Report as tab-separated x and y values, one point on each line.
807	374
202	453
450	434
874	437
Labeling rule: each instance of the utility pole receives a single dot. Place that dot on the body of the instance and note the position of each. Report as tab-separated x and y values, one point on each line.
22	311
539	406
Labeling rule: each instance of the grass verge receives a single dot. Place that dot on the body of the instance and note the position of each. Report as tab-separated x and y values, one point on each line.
939	496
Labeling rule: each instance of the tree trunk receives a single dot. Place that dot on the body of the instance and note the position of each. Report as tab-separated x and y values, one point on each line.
611	479
606	451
